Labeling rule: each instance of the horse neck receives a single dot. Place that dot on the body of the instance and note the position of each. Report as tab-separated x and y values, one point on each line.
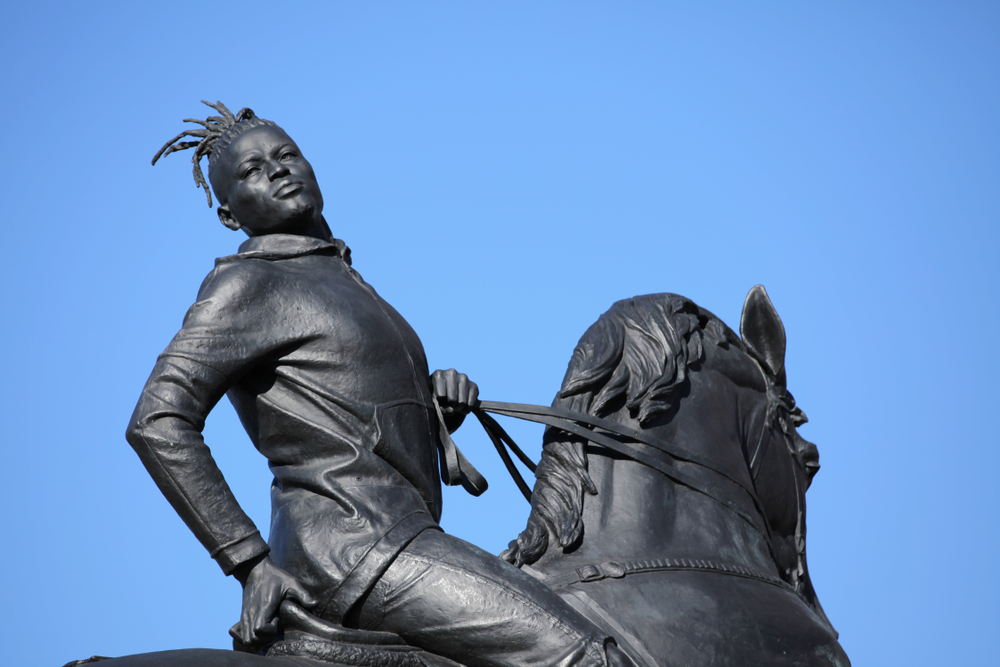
640	514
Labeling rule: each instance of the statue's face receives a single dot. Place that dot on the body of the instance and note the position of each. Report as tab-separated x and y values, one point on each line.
265	186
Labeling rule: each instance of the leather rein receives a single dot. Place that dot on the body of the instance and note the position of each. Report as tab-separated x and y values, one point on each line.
722	483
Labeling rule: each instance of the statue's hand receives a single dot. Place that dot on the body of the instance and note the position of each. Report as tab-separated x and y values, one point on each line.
264	587
456	394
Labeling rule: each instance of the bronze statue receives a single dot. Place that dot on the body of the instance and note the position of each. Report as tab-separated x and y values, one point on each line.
667	524
332	387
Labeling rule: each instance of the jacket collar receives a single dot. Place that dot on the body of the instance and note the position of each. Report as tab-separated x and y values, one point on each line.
285	246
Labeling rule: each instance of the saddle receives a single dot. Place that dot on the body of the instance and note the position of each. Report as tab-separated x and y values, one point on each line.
306	636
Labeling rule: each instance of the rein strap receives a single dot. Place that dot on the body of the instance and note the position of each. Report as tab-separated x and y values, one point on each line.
637	446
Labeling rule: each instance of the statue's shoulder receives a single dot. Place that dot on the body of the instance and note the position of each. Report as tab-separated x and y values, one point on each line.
233	278
233	289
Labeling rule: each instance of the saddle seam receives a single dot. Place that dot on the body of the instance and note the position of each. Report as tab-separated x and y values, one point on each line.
611	569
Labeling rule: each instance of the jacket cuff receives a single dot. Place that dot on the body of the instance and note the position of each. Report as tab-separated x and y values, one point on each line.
246	548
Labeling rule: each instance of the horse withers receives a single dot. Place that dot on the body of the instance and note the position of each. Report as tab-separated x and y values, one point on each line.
683	535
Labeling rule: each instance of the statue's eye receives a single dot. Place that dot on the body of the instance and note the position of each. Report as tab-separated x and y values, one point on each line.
287	155
250	171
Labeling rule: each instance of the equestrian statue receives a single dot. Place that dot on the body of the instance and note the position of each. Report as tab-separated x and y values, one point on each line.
667	521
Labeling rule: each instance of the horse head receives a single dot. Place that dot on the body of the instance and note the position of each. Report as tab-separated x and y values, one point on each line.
671	370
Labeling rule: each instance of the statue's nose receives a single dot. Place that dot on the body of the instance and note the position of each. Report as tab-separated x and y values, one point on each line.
275	170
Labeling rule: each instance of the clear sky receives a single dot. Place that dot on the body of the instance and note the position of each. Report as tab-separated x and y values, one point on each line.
503	172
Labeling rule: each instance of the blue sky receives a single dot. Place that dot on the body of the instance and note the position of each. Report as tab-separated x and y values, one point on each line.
503	172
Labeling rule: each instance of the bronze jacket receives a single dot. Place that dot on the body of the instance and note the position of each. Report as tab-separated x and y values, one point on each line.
331	385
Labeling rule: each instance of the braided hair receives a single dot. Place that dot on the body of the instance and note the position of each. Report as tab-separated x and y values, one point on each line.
213	140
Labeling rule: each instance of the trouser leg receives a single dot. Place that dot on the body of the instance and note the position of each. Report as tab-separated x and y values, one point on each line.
452	598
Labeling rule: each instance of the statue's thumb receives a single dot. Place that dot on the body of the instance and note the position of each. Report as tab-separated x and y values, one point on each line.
302	597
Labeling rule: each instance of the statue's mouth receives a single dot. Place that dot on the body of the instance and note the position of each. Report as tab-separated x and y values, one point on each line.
287	189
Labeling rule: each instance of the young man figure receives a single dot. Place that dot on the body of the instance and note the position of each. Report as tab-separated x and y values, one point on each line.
333	388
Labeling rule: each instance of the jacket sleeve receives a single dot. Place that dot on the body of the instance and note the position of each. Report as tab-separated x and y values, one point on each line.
223	337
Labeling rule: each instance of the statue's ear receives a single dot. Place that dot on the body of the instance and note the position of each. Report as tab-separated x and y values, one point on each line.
762	332
226	217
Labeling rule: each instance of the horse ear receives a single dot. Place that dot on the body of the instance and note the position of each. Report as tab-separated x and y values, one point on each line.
762	331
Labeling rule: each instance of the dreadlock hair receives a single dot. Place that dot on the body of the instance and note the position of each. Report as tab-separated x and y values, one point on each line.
213	140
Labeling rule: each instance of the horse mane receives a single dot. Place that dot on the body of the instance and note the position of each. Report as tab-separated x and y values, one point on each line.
635	356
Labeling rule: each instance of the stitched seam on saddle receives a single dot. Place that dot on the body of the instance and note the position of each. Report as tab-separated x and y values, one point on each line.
569	631
663	565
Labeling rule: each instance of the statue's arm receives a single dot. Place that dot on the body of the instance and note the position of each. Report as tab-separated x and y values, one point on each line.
223	337
165	431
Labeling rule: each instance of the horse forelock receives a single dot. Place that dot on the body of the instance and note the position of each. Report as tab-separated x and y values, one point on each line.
638	353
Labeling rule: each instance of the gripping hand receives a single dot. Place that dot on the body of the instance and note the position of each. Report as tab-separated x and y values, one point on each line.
265	585
456	394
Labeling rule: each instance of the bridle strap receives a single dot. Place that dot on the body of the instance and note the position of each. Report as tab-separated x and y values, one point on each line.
537	413
455	468
757	460
500	438
757	464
